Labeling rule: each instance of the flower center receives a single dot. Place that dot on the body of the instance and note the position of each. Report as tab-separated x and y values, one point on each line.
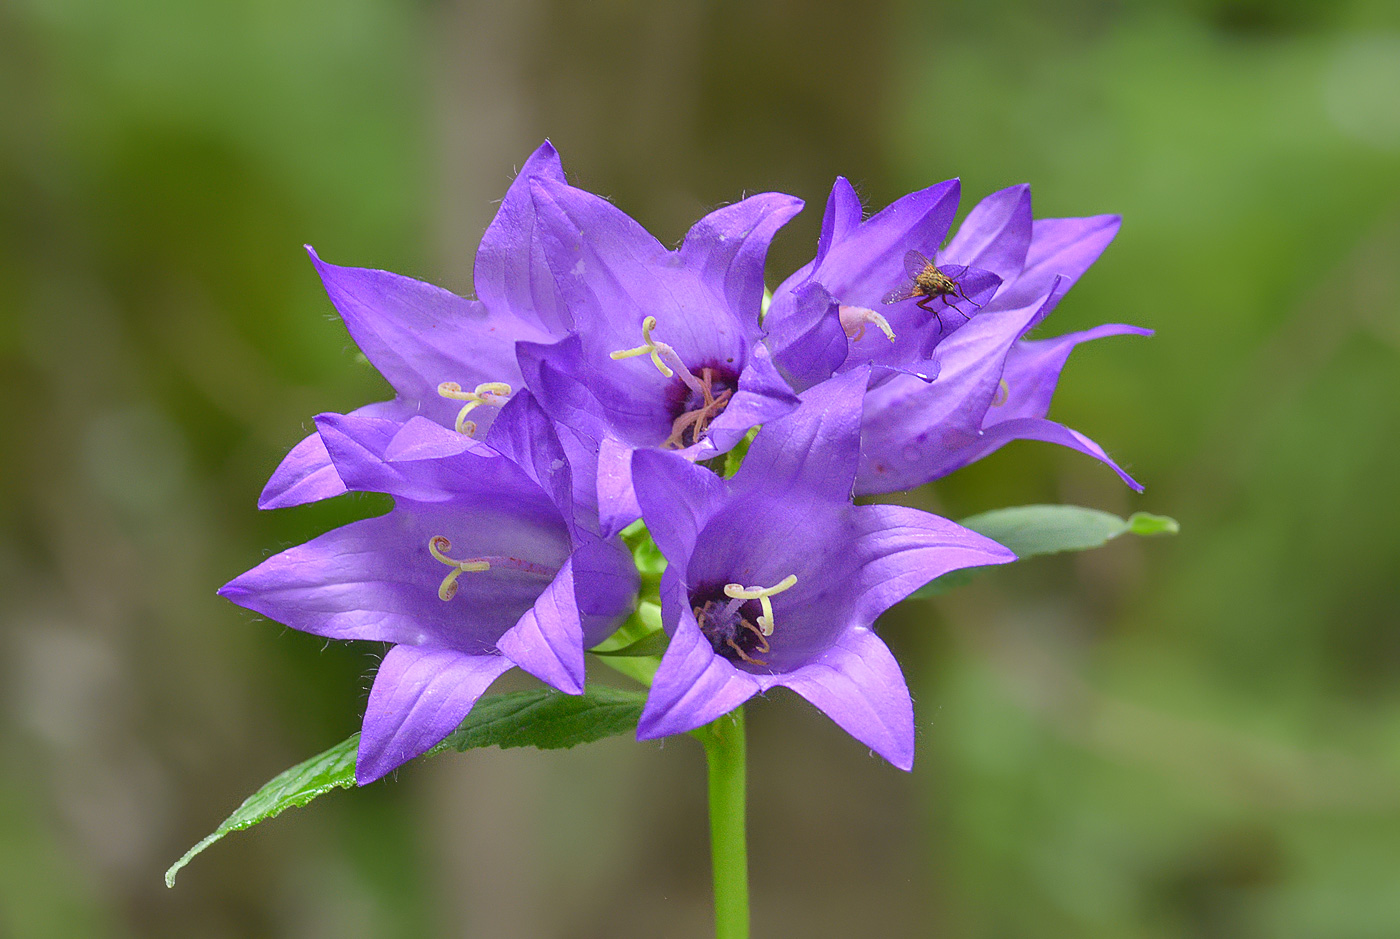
698	399
438	545
693	413
493	393
738	620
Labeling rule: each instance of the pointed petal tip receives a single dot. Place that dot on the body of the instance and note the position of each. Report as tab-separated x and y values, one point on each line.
370	767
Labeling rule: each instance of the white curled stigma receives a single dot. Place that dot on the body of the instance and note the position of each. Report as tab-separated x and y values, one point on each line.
739	593
854	319
493	393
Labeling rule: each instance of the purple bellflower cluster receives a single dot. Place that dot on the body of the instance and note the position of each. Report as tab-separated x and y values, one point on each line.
592	383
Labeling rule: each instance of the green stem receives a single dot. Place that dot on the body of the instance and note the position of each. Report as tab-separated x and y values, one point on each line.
725	757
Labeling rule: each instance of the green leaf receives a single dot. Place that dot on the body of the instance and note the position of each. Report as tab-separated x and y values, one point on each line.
1030	530
550	720
545	718
334	769
635	649
653	643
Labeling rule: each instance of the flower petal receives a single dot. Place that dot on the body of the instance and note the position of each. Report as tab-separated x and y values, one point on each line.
865	266
728	247
1033	369
676	497
601	258
996	234
548	640
420	695
617	501
376	579
814	449
763	396
1063	248
805	332
304	475
841	218
858	684
995	436
419	336
525	436
511	272
899	549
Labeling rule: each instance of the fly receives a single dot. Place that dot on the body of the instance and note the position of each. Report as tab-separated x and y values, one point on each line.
929	283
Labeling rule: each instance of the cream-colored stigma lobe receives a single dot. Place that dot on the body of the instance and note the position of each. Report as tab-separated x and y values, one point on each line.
762	595
438	545
649	347
448	589
854	319
488	392
663	356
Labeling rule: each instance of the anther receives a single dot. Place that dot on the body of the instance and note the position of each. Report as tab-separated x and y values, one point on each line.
488	392
854	319
448	589
762	595
1003	392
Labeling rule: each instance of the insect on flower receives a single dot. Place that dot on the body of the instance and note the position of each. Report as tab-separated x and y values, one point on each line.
928	281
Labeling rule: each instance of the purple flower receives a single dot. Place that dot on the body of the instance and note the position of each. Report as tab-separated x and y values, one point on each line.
448	359
980	385
873	293
774	577
480	566
667	352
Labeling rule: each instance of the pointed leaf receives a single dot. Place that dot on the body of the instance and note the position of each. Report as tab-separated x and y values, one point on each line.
545	718
1030	530
333	769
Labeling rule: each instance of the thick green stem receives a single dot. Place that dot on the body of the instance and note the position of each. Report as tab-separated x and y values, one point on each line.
725	757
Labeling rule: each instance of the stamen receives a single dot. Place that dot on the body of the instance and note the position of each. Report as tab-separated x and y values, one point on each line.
448	589
1003	392
738	592
698	420
659	351
854	319
488	392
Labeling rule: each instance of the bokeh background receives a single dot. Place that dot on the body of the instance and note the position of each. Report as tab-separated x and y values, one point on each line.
1196	736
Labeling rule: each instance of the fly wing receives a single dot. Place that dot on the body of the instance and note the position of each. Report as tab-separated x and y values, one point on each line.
902	293
915	263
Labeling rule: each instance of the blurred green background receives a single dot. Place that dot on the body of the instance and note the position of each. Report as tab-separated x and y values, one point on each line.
1196	736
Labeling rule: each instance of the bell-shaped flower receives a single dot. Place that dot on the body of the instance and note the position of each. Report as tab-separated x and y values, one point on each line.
667	350
992	386
448	359
980	385
480	566
879	291
775	578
